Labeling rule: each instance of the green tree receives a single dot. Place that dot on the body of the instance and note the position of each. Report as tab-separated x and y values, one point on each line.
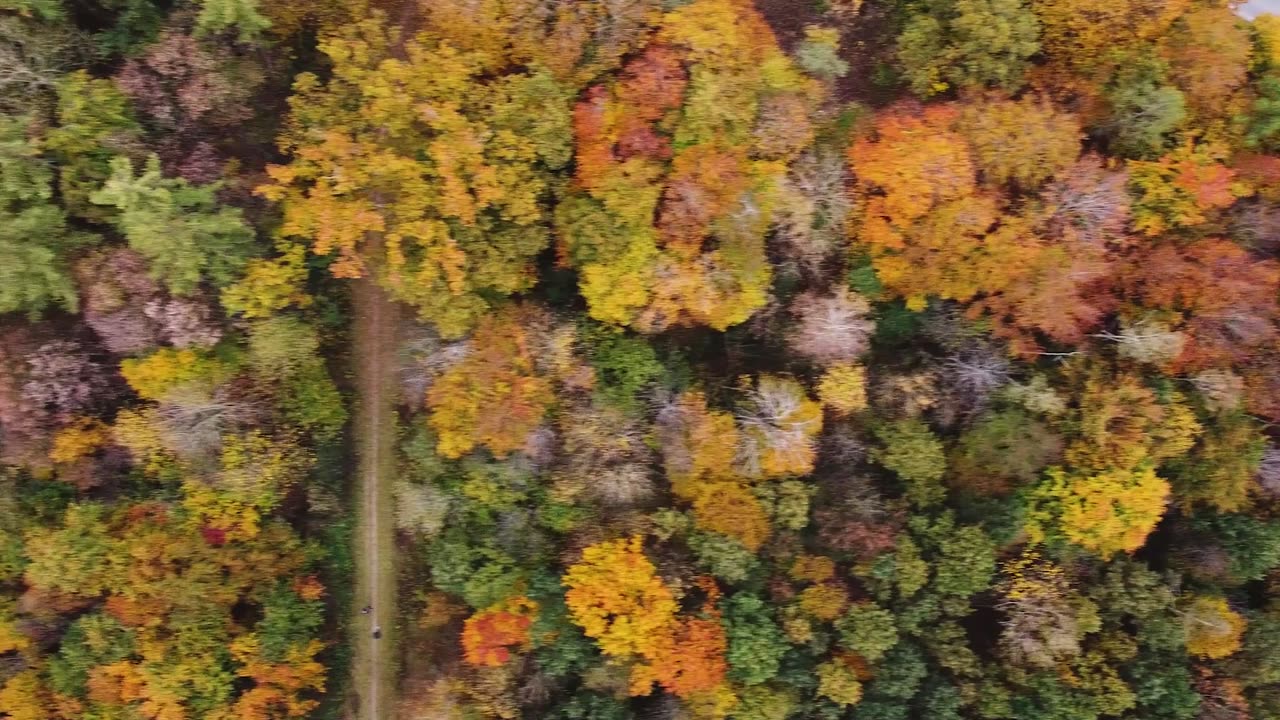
180	228
35	240
819	53
1219	471
725	557
95	123
756	643
868	630
966	43
624	365
1001	451
916	456
43	9
1263	119
1145	110
218	15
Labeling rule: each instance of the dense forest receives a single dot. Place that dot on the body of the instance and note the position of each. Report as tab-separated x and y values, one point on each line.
809	359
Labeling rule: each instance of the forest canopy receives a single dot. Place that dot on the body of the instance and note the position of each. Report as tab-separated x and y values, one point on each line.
715	360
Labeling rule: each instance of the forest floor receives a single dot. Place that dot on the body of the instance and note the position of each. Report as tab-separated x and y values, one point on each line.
373	666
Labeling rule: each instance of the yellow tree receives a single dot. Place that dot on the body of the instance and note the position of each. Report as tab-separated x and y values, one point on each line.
731	509
1182	189
1121	423
425	165
615	595
699	445
1084	40
1214	630
1106	512
576	41
1025	141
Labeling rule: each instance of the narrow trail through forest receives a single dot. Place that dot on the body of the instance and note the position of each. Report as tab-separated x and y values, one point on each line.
373	667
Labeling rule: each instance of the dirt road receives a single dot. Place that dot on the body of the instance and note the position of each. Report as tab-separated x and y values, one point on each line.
373	666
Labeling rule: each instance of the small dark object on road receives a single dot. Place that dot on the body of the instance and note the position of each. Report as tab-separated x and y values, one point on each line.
366	609
377	633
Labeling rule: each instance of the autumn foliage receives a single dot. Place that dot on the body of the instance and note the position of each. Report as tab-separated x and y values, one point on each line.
489	636
734	360
494	397
675	186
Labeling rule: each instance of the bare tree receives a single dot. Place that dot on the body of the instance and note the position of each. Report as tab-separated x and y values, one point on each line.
1221	389
423	356
774	420
831	328
605	455
816	207
905	394
1089	204
1257	223
184	322
115	288
976	372
1042	614
622	485
1269	471
420	508
33	57
24	422
67	378
194	420
1148	341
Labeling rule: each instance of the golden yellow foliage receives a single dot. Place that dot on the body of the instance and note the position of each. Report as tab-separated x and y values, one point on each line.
714	704
1214	630
843	388
138	431
1087	36
420	163
679	165
730	508
838	682
616	597
11	638
81	438
279	690
1107	512
1122	424
23	697
256	471
825	602
1267	31
269	286
576	41
779	423
1025	141
155	375
699	444
813	568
